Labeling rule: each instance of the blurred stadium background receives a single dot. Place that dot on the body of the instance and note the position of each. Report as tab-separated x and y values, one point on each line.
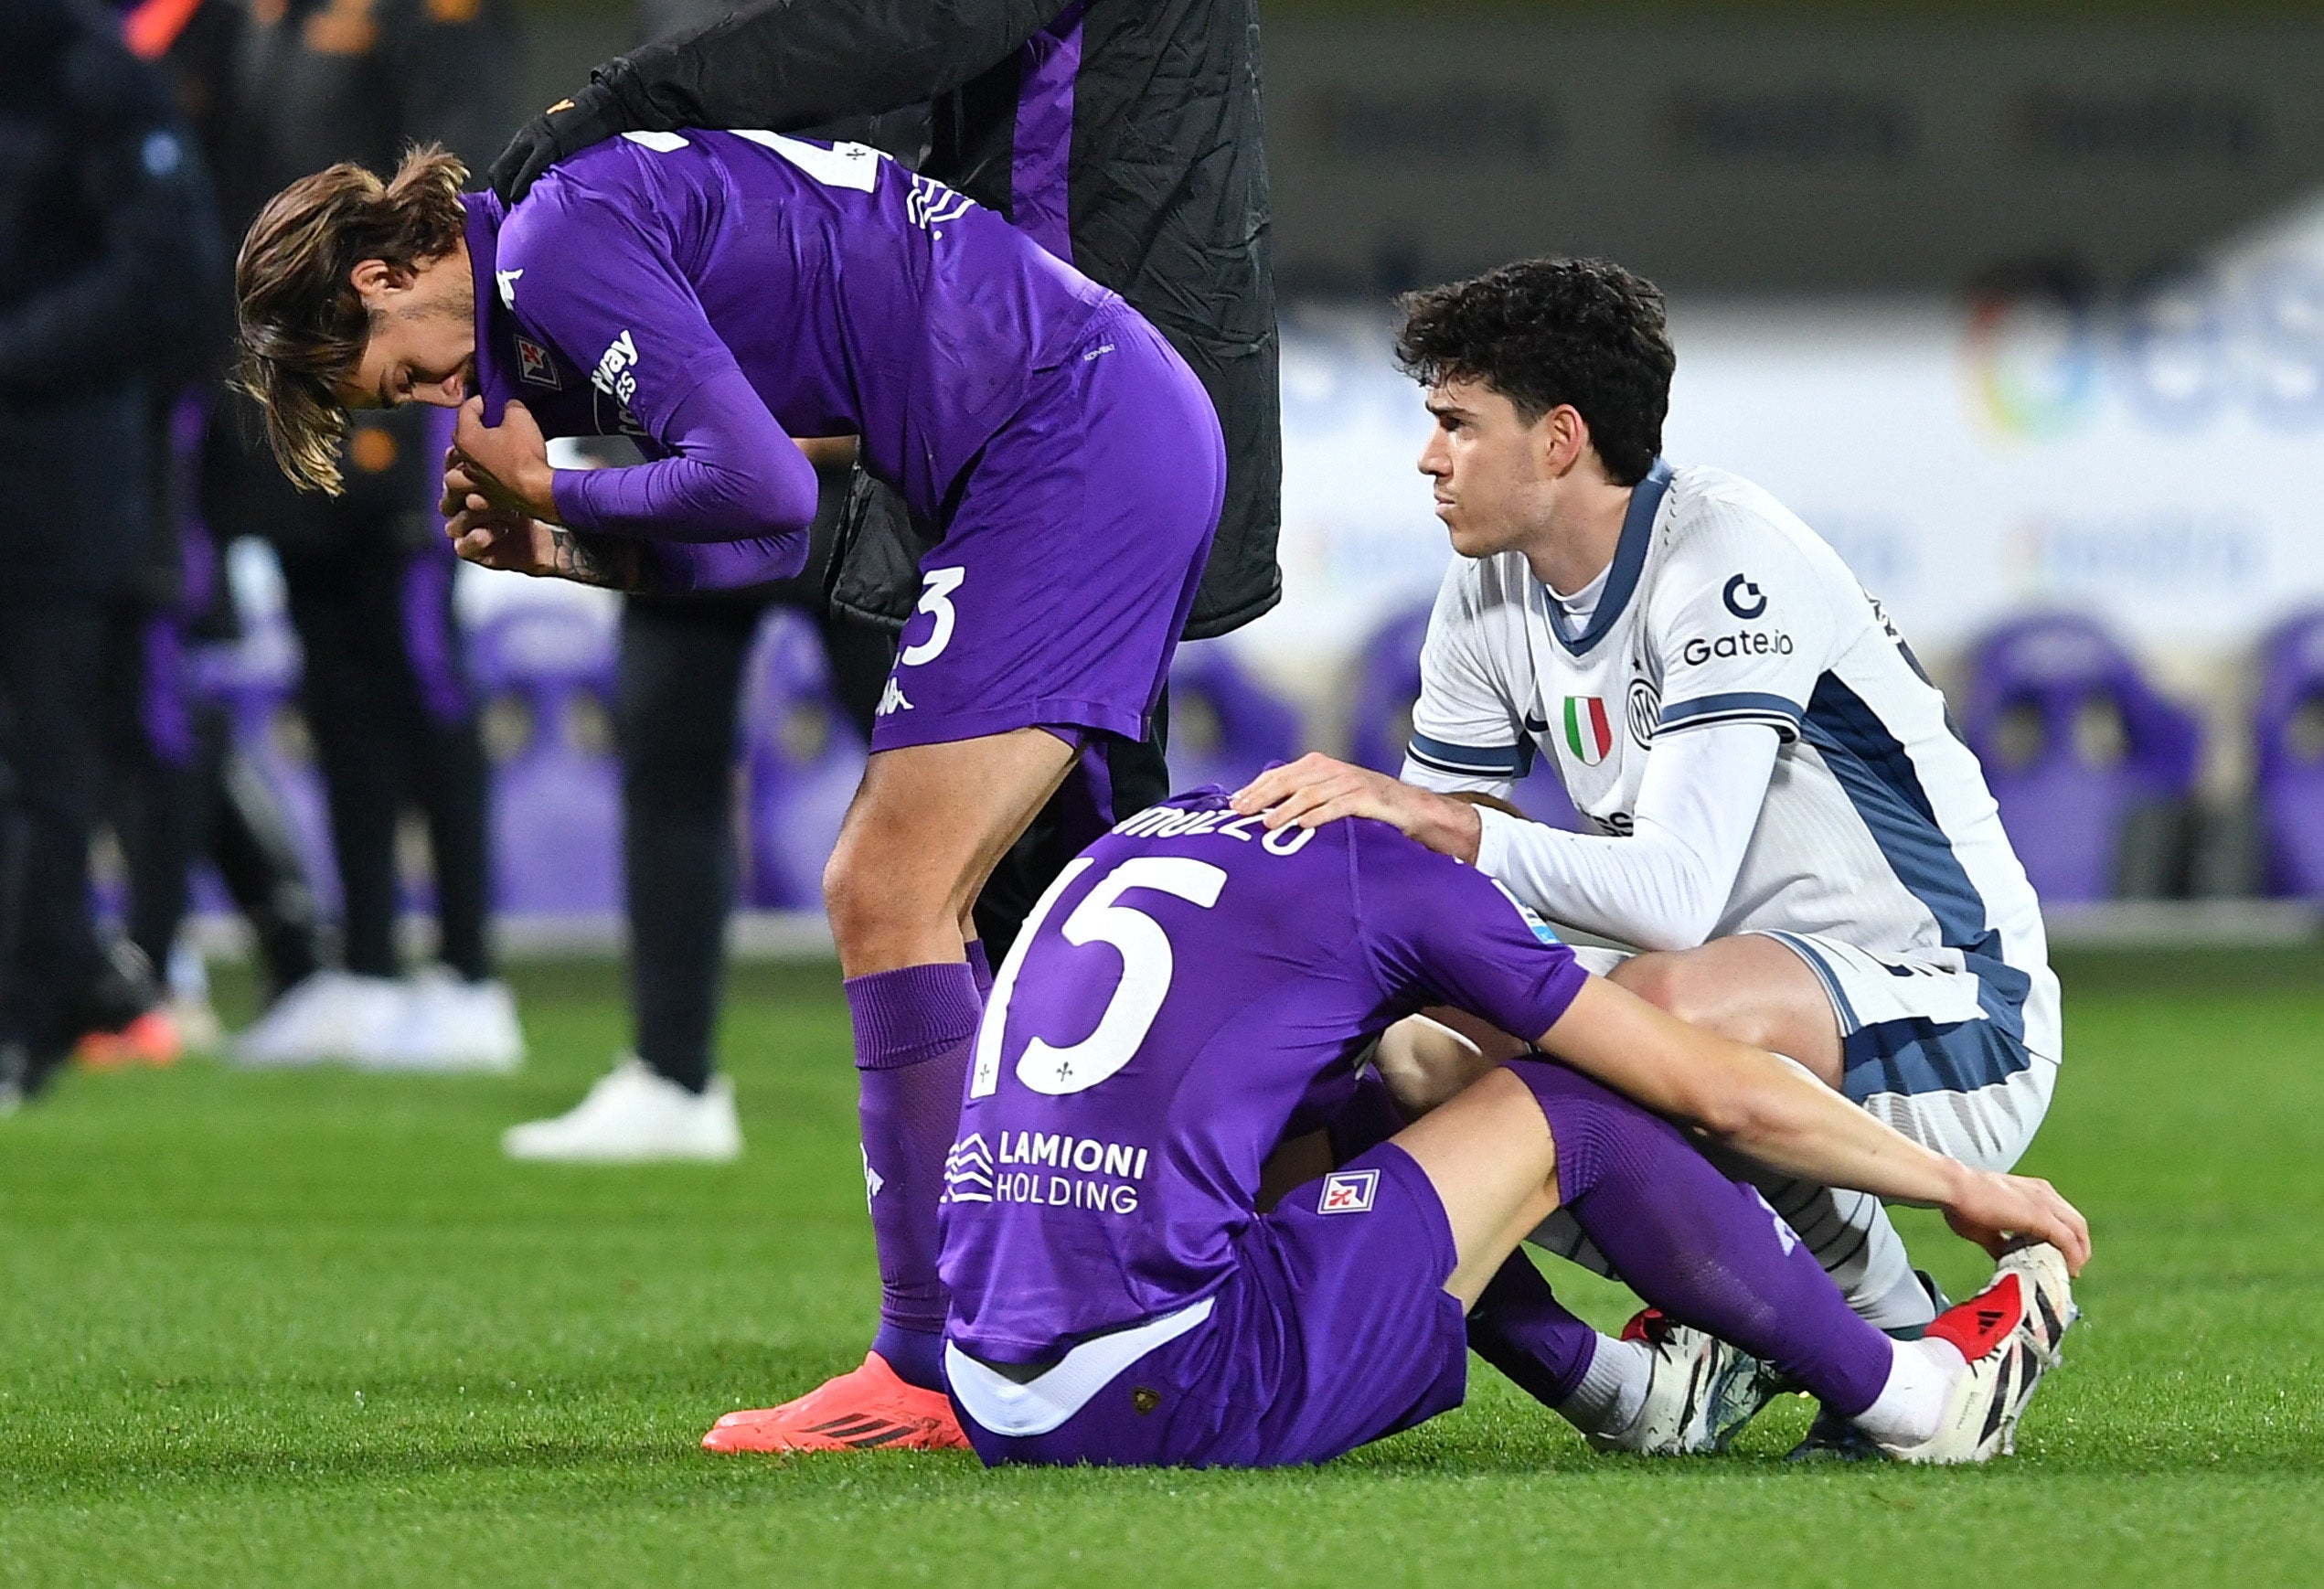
2022	305
2021	302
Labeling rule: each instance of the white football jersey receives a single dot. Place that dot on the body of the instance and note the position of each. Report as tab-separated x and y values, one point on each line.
1721	606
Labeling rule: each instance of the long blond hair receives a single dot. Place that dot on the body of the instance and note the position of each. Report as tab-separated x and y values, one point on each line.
303	323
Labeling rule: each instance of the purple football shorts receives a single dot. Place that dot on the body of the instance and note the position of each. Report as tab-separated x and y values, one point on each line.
1070	565
1334	1330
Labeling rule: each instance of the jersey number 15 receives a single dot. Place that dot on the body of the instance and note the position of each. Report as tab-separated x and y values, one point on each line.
1147	964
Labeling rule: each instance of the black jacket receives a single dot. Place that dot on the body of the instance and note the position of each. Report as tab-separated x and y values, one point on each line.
112	269
307	83
1148	108
315	81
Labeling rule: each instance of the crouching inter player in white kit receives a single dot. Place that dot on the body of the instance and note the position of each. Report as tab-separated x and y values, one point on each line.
1782	817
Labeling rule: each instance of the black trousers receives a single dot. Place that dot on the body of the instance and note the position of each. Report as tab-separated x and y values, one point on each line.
386	701
674	716
678	693
176	790
49	651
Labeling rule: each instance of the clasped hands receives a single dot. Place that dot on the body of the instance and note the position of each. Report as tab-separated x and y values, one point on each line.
499	505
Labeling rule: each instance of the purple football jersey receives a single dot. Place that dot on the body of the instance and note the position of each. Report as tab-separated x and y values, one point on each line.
855	296
1189	991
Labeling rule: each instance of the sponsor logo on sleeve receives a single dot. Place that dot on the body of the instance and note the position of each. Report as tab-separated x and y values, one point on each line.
1742	642
1742	598
1349	1191
1533	920
535	364
616	371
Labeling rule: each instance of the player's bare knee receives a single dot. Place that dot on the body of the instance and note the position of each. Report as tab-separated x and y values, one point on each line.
1425	1063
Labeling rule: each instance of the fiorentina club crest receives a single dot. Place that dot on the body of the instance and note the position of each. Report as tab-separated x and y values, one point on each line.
1589	733
533	363
1348	1191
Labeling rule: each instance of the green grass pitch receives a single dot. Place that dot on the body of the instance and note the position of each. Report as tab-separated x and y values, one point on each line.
311	1329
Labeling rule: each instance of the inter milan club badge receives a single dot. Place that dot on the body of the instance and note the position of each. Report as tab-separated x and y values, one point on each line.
1589	733
533	363
1348	1191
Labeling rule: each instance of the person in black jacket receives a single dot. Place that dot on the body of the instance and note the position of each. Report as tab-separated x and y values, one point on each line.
109	257
1125	137
368	573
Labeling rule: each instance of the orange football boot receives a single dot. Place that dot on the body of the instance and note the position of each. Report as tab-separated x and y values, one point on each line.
868	1409
151	1039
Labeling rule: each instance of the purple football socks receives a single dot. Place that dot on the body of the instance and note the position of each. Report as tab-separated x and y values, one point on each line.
1705	1250
1521	1329
915	1030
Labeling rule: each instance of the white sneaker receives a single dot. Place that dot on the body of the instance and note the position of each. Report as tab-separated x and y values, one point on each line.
333	1014
1701	1393
633	1115
2010	1333
451	1024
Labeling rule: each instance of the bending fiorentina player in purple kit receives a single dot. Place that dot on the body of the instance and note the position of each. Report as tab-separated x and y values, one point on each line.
1195	990
716	295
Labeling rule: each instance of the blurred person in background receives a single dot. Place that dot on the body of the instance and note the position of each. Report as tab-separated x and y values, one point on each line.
677	693
175	785
368	573
110	258
1126	138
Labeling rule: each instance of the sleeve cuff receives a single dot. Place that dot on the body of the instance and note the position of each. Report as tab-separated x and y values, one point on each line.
1494	829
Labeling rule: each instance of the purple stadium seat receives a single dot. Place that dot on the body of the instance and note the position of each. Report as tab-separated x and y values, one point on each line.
801	760
256	678
2077	747
1388	682
1224	729
2288	723
545	672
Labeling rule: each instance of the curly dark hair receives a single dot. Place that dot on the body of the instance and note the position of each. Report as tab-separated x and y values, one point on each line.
1547	332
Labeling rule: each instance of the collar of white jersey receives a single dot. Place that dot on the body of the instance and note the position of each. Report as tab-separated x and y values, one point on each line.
1629	559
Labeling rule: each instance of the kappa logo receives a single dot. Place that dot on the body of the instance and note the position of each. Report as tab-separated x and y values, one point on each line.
1349	1191
616	371
507	280
892	700
872	1180
535	364
1742	598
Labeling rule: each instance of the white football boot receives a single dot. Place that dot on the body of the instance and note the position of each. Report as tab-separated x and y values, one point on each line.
633	1115
1701	1393
451	1024
332	1014
2010	1333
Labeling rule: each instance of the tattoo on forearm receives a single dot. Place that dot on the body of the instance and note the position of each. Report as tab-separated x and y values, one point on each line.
595	559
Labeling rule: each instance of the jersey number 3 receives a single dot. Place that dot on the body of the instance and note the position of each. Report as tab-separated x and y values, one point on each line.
1147	964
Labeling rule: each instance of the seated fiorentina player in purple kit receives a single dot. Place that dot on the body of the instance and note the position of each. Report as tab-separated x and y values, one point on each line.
1195	990
716	295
